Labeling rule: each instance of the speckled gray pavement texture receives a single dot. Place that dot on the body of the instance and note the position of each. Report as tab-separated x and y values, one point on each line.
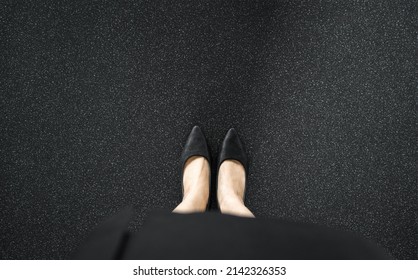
97	101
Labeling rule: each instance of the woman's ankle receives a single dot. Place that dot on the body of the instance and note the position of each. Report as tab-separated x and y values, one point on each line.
230	202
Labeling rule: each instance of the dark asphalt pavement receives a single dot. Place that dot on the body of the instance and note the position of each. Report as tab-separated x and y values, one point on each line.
97	101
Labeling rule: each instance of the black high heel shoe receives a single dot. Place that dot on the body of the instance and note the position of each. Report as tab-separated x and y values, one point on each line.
195	146
233	148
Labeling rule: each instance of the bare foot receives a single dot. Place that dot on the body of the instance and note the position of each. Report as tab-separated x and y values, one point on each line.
231	181
231	189
196	182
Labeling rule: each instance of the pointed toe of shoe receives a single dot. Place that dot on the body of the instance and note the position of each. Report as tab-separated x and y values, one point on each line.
233	148
196	145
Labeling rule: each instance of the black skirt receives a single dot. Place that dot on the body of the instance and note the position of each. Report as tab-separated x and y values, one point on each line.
216	236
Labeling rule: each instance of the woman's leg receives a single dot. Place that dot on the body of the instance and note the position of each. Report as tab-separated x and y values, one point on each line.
231	187
196	185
